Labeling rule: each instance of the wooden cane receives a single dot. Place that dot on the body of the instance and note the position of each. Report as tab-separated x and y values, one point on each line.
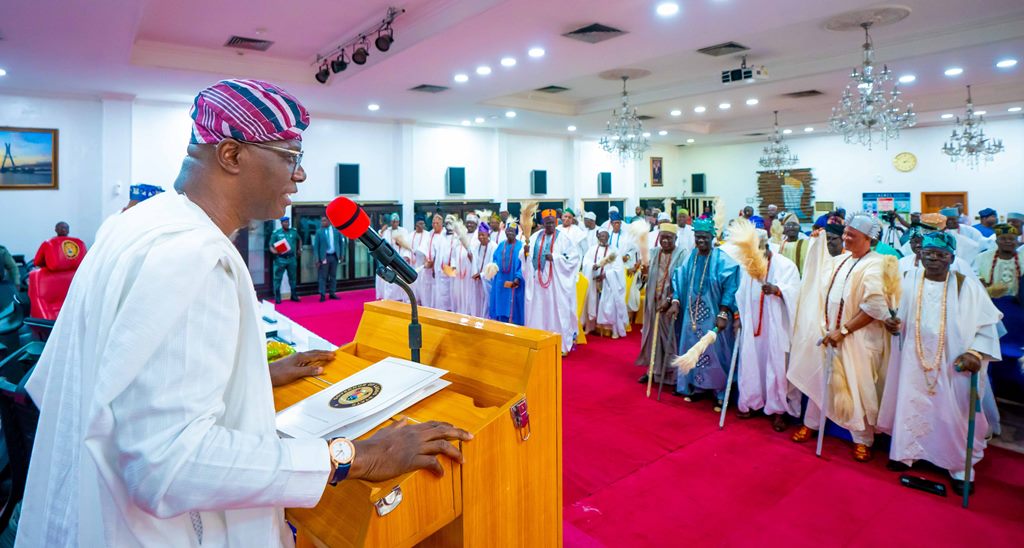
654	346
971	412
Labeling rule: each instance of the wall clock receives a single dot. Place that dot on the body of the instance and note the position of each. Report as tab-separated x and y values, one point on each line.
905	161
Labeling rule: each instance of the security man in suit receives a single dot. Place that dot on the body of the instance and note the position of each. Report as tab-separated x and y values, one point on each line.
286	261
327	247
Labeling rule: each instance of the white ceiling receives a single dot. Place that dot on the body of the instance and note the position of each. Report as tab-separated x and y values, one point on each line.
167	50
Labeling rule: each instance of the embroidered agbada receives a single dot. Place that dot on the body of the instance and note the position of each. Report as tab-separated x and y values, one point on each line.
805	357
444	249
157	415
657	291
926	412
426	285
478	289
702	285
605	303
767	325
578	236
551	285
507	303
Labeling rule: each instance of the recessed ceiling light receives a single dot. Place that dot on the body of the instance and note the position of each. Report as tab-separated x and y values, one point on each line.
536	52
787	131
461	78
907	79
946	116
690	140
676	112
663	133
1007	63
724	106
752	102
808	129
479	120
981	112
374	107
483	70
647	134
1013	109
3	72
699	110
508	61
954	71
510	114
571	128
466	122
667	9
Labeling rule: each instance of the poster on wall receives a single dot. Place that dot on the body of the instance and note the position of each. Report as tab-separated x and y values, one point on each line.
656	179
792	192
876	202
30	158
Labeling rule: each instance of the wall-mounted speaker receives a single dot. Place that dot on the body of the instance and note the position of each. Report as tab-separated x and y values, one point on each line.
455	180
604	183
348	179
698	183
538	181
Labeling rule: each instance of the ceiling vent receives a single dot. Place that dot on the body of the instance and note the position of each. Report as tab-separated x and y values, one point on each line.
252	44
756	134
552	89
645	117
429	88
594	33
725	48
802	94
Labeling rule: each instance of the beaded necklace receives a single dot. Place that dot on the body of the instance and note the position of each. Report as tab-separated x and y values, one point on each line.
483	262
932	367
540	260
415	246
992	270
700	290
506	258
842	300
760	307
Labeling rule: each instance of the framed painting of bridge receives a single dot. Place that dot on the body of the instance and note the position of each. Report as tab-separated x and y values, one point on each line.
29	158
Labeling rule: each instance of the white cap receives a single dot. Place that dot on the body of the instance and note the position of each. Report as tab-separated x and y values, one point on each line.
664	217
864	224
590	215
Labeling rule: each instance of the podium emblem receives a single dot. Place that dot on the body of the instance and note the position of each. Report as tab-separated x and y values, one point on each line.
356	395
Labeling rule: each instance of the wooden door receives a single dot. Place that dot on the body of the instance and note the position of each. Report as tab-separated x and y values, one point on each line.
932	202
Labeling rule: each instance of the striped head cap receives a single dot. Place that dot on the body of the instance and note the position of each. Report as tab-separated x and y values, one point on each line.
246	110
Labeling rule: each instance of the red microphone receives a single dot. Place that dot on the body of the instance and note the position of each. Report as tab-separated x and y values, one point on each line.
352	221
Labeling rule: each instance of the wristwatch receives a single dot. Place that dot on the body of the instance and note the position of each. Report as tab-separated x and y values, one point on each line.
342	453
844	331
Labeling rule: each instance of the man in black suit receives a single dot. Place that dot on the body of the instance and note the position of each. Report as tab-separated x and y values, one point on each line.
327	244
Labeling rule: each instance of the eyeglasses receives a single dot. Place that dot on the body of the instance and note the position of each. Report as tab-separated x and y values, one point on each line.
296	155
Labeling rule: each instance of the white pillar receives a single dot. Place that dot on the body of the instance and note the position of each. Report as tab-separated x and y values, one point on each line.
116	153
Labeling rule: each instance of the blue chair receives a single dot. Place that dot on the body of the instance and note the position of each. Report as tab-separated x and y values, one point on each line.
19	418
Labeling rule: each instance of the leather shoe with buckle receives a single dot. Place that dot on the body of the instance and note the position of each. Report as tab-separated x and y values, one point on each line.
861	452
804	434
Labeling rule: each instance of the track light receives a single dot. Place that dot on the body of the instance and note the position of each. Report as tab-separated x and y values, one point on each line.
360	54
339	64
323	74
384	39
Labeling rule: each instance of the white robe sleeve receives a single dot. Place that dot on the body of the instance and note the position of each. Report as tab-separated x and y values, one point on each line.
173	455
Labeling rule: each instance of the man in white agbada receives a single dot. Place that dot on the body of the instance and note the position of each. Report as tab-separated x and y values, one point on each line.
605	305
853	306
444	250
590	228
478	292
684	236
969	242
948	325
462	289
398	237
156	423
767	312
418	258
429	247
573	230
911	264
550	265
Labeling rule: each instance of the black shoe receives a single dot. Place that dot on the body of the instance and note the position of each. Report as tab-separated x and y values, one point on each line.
277	300
958	486
334	297
896	466
295	299
322	298
642	380
678	393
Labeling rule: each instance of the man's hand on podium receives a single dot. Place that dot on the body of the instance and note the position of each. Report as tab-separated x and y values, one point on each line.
301	364
403	447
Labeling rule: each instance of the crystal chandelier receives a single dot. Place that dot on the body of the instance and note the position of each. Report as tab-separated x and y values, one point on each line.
776	157
867	112
625	131
968	144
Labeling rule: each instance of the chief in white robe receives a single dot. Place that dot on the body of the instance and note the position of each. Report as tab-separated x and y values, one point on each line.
398	237
478	292
575	233
926	412
428	247
605	305
157	415
445	252
767	321
418	258
551	284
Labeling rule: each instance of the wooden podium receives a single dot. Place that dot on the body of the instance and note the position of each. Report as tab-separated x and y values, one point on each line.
507	493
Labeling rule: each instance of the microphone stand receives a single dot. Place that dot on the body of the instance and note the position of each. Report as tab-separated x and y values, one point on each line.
415	329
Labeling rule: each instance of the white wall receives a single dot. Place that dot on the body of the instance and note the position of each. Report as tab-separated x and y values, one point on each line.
28	216
844	172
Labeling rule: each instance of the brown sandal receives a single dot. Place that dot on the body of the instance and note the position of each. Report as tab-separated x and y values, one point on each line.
804	434
861	453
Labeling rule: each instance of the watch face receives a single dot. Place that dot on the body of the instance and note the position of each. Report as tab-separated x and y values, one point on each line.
342	451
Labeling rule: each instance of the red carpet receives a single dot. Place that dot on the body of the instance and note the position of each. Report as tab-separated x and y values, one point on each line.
638	472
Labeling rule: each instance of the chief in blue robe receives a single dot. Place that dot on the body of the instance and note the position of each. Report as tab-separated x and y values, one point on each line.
506	304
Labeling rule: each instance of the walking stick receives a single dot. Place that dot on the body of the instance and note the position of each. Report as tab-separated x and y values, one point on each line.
728	381
830	356
654	346
971	411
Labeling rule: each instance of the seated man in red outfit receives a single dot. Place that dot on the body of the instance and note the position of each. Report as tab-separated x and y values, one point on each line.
66	250
57	260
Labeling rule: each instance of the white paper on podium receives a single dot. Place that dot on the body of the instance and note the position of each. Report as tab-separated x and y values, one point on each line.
355	405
